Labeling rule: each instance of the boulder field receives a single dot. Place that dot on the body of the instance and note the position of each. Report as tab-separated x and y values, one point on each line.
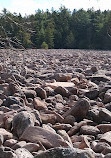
55	104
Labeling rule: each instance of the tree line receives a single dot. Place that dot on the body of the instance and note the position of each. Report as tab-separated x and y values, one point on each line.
60	29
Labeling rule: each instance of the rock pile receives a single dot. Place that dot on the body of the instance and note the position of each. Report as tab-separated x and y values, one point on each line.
55	104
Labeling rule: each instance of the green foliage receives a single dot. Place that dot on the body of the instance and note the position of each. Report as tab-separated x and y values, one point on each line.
60	29
44	45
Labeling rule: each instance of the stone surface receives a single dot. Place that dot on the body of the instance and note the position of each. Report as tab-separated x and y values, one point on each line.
23	153
46	137
21	121
89	130
64	153
6	135
79	110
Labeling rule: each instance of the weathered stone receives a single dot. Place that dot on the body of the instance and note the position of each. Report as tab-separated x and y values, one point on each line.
48	118
41	93
32	147
21	121
79	110
89	130
105	115
39	104
106	137
63	91
92	94
23	153
6	134
64	153
6	152
47	138
10	142
20	144
107	98
104	127
62	126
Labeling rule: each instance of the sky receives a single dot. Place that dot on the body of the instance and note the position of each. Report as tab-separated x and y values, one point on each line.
30	6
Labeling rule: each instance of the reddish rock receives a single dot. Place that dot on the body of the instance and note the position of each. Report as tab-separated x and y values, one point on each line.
39	105
89	130
47	138
32	147
59	126
48	118
104	127
79	110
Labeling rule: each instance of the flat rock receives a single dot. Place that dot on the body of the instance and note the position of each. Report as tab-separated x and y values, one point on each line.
47	138
61	84
89	130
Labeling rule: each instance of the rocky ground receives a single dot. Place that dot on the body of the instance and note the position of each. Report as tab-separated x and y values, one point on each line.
55	104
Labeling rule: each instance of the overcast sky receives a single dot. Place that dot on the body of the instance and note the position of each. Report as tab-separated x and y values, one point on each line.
29	6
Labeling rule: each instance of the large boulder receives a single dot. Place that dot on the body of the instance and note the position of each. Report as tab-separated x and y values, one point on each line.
46	137
64	153
21	121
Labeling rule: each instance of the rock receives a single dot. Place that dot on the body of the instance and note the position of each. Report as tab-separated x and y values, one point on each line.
32	147
62	126
108	155
65	136
29	93
1	139
10	142
106	137
10	101
79	110
63	77
6	152
69	120
1	67
104	127
6	135
47	138
100	147
94	69
76	128
92	94
99	78
23	153
107	98
21	121
61	90
64	153
39	105
41	93
61	84
48	118
89	130
105	115
20	144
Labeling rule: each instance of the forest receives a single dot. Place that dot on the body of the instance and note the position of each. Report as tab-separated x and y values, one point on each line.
62	29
